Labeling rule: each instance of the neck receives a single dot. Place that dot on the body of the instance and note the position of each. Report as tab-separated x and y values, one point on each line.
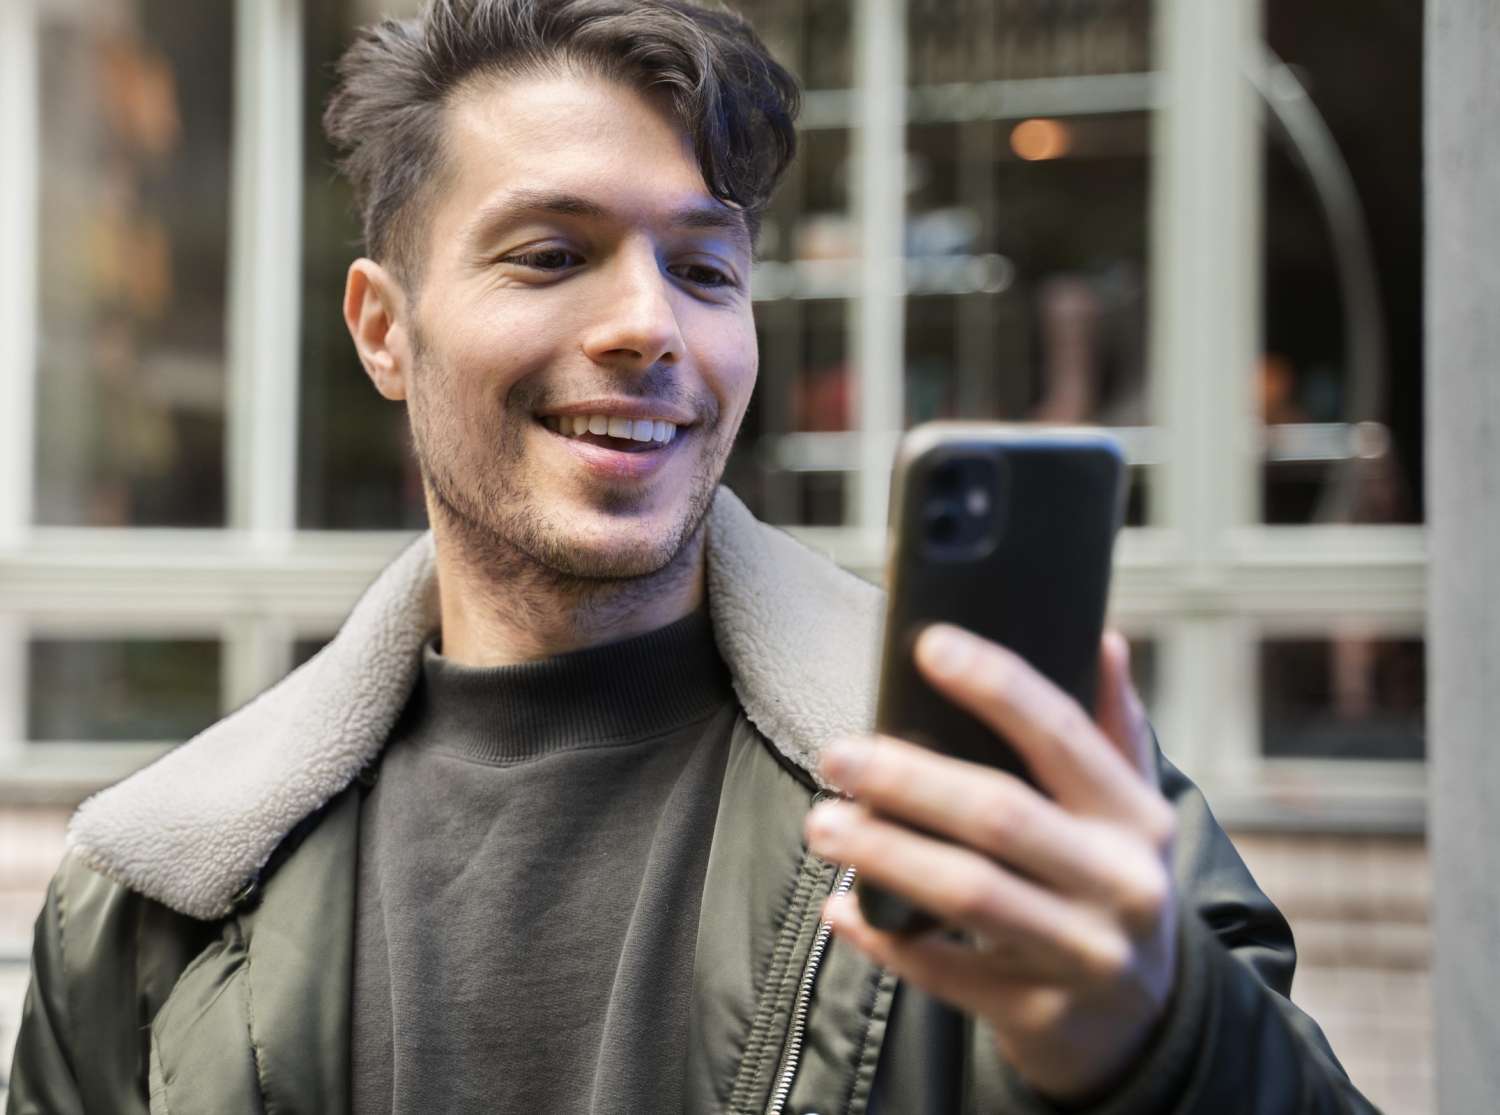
505	608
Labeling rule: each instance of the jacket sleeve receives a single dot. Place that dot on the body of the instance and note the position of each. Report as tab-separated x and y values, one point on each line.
42	1077
1232	1040
1255	1047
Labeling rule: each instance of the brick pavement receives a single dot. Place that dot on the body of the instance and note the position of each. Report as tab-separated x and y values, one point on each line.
1359	908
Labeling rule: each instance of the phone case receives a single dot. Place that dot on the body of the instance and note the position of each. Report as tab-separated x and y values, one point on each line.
1007	531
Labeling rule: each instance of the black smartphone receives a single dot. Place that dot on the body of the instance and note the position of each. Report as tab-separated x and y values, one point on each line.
1008	531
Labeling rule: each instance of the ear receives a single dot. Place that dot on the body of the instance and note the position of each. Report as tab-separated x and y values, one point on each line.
375	310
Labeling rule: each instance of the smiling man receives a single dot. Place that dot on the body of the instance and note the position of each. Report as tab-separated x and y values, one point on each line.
528	835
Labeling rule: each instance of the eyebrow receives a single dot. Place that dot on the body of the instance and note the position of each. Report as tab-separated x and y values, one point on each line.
522	202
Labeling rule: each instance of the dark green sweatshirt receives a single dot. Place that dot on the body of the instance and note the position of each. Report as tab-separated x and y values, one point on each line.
531	864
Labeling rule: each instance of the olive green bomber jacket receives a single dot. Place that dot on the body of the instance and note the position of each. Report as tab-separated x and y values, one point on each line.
195	950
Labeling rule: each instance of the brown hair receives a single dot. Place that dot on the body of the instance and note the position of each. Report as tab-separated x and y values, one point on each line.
736	103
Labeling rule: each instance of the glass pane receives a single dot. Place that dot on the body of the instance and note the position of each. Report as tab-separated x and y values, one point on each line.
303	649
1354	695
1027	266
135	121
784	466
143	690
788	462
1028	235
1028	272
809	217
987	40
356	469
1340	381
1144	671
814	41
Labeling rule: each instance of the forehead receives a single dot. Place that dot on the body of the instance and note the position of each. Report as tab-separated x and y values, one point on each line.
567	134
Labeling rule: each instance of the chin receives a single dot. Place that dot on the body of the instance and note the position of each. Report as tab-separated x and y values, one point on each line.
596	535
587	542
617	548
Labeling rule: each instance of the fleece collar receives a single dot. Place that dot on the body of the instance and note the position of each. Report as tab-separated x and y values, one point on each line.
800	637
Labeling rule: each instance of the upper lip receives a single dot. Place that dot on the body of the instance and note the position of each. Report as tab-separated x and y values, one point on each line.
639	409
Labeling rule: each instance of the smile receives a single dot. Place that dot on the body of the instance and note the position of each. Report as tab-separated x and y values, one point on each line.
613	431
616	448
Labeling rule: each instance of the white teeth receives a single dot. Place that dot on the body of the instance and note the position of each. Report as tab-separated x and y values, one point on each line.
629	429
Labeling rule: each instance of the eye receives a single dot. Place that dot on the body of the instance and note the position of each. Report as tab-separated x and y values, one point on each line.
700	274
545	259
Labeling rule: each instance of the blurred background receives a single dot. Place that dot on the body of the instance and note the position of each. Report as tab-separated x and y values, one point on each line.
1198	224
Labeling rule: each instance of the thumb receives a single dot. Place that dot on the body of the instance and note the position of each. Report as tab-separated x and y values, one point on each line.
1118	709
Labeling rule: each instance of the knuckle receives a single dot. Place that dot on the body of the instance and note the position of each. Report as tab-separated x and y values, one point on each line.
1000	819
1038	1014
868	776
885	770
1148	897
1161	824
1066	724
1105	957
865	838
975	902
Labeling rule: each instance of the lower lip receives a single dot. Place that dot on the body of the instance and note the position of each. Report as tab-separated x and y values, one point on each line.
614	464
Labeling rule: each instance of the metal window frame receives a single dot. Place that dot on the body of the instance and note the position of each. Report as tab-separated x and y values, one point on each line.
20	115
1204	579
264	293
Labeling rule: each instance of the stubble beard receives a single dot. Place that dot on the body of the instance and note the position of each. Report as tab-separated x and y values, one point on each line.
476	489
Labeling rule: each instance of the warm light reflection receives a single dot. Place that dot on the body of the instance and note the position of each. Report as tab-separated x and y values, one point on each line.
1035	140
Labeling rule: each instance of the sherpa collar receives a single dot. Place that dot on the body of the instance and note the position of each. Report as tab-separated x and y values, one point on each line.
799	635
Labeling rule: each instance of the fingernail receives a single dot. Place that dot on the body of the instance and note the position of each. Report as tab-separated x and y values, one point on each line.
827	822
944	651
1119	648
842	761
833	909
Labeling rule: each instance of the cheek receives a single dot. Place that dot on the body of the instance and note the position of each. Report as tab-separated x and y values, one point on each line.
485	353
733	359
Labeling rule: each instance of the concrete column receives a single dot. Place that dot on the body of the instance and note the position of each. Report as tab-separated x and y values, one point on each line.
1463	501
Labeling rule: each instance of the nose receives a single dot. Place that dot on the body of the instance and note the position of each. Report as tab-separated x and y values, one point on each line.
636	326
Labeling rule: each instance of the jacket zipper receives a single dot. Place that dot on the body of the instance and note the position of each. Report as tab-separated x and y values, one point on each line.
803	1005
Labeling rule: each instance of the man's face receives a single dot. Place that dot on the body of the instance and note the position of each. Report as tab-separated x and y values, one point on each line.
578	277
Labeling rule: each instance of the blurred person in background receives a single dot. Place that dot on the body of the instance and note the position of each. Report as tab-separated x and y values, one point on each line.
533	832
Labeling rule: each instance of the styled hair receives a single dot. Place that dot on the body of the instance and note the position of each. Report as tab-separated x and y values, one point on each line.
386	114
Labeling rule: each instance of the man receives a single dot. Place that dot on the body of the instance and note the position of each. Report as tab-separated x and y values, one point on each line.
528	835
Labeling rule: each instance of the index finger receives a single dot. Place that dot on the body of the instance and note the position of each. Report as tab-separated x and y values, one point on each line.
1061	745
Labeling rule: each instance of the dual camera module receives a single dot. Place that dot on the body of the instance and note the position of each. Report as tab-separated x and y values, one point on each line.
962	505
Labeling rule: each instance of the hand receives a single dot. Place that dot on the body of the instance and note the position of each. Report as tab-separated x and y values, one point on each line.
1065	895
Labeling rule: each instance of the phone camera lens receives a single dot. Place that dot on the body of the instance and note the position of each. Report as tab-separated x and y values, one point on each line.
977	502
947	477
943	524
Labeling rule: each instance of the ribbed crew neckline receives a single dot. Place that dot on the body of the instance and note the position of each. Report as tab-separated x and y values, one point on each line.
620	692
